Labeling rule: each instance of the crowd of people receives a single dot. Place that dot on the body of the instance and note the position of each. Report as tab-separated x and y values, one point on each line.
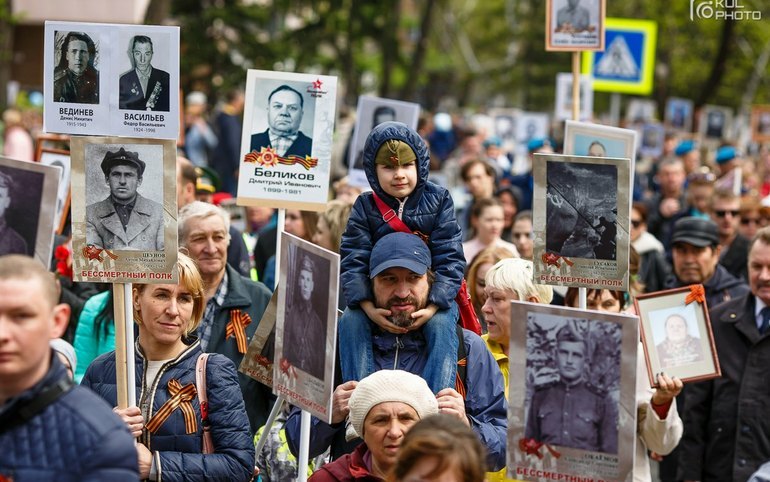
417	396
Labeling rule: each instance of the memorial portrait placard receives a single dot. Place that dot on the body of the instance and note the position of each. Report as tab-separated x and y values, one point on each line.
258	362
306	326
587	139
111	79
676	334
760	123
652	139
28	193
286	144
563	107
61	159
572	384
581	213
371	112
124	212
679	114
574	25
715	123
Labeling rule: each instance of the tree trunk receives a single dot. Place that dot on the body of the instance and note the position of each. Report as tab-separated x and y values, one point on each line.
158	11
718	67
408	89
6	50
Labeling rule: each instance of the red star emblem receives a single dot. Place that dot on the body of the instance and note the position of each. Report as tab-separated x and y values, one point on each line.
317	84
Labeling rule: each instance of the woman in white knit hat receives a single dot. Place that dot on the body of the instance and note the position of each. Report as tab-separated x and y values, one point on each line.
383	407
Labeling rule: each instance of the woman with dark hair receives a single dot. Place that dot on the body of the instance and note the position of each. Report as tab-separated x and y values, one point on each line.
169	422
487	223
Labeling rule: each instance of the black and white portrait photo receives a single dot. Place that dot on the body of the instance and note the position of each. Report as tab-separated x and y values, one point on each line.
75	77
304	333
124	196
28	193
289	114
581	210
575	25
715	124
573	374
145	86
371	112
19	210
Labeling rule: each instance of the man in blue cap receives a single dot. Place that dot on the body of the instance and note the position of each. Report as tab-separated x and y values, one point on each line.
399	266
688	151
125	219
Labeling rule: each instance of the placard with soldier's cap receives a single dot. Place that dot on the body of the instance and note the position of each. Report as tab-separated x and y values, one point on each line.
306	326
124	227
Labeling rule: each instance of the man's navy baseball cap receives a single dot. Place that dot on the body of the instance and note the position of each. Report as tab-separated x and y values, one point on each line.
399	250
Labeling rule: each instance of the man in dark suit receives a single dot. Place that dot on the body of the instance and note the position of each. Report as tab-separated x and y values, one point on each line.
284	115
726	428
144	87
125	219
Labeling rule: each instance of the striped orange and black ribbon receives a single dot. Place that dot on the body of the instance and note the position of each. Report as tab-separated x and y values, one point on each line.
181	397
237	327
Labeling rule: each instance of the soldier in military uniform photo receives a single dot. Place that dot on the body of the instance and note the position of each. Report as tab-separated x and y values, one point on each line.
11	242
75	79
125	219
571	412
304	339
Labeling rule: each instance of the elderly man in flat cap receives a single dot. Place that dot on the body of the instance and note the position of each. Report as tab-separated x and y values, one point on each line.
126	219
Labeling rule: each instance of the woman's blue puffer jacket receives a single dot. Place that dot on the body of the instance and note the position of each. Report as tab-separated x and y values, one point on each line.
178	456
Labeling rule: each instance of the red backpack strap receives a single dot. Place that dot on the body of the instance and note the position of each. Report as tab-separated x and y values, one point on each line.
200	386
390	216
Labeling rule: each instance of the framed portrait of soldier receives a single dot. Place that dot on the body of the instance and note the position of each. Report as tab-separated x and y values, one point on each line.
571	403
574	25
28	193
676	334
679	114
563	109
371	112
286	143
760	123
504	123
306	326
111	79
652	139
581	213
124	212
715	123
60	159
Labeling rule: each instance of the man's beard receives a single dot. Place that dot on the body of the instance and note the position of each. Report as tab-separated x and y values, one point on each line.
403	319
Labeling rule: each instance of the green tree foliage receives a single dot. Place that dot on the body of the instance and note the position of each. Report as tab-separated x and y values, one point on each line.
481	53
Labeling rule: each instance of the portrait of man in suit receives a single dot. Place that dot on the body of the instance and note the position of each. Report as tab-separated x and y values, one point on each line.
75	79
144	87
284	115
125	220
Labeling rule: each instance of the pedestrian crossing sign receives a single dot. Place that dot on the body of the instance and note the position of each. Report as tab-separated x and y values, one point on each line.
628	61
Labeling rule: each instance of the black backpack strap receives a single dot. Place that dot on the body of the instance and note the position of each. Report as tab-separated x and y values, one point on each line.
462	362
24	412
